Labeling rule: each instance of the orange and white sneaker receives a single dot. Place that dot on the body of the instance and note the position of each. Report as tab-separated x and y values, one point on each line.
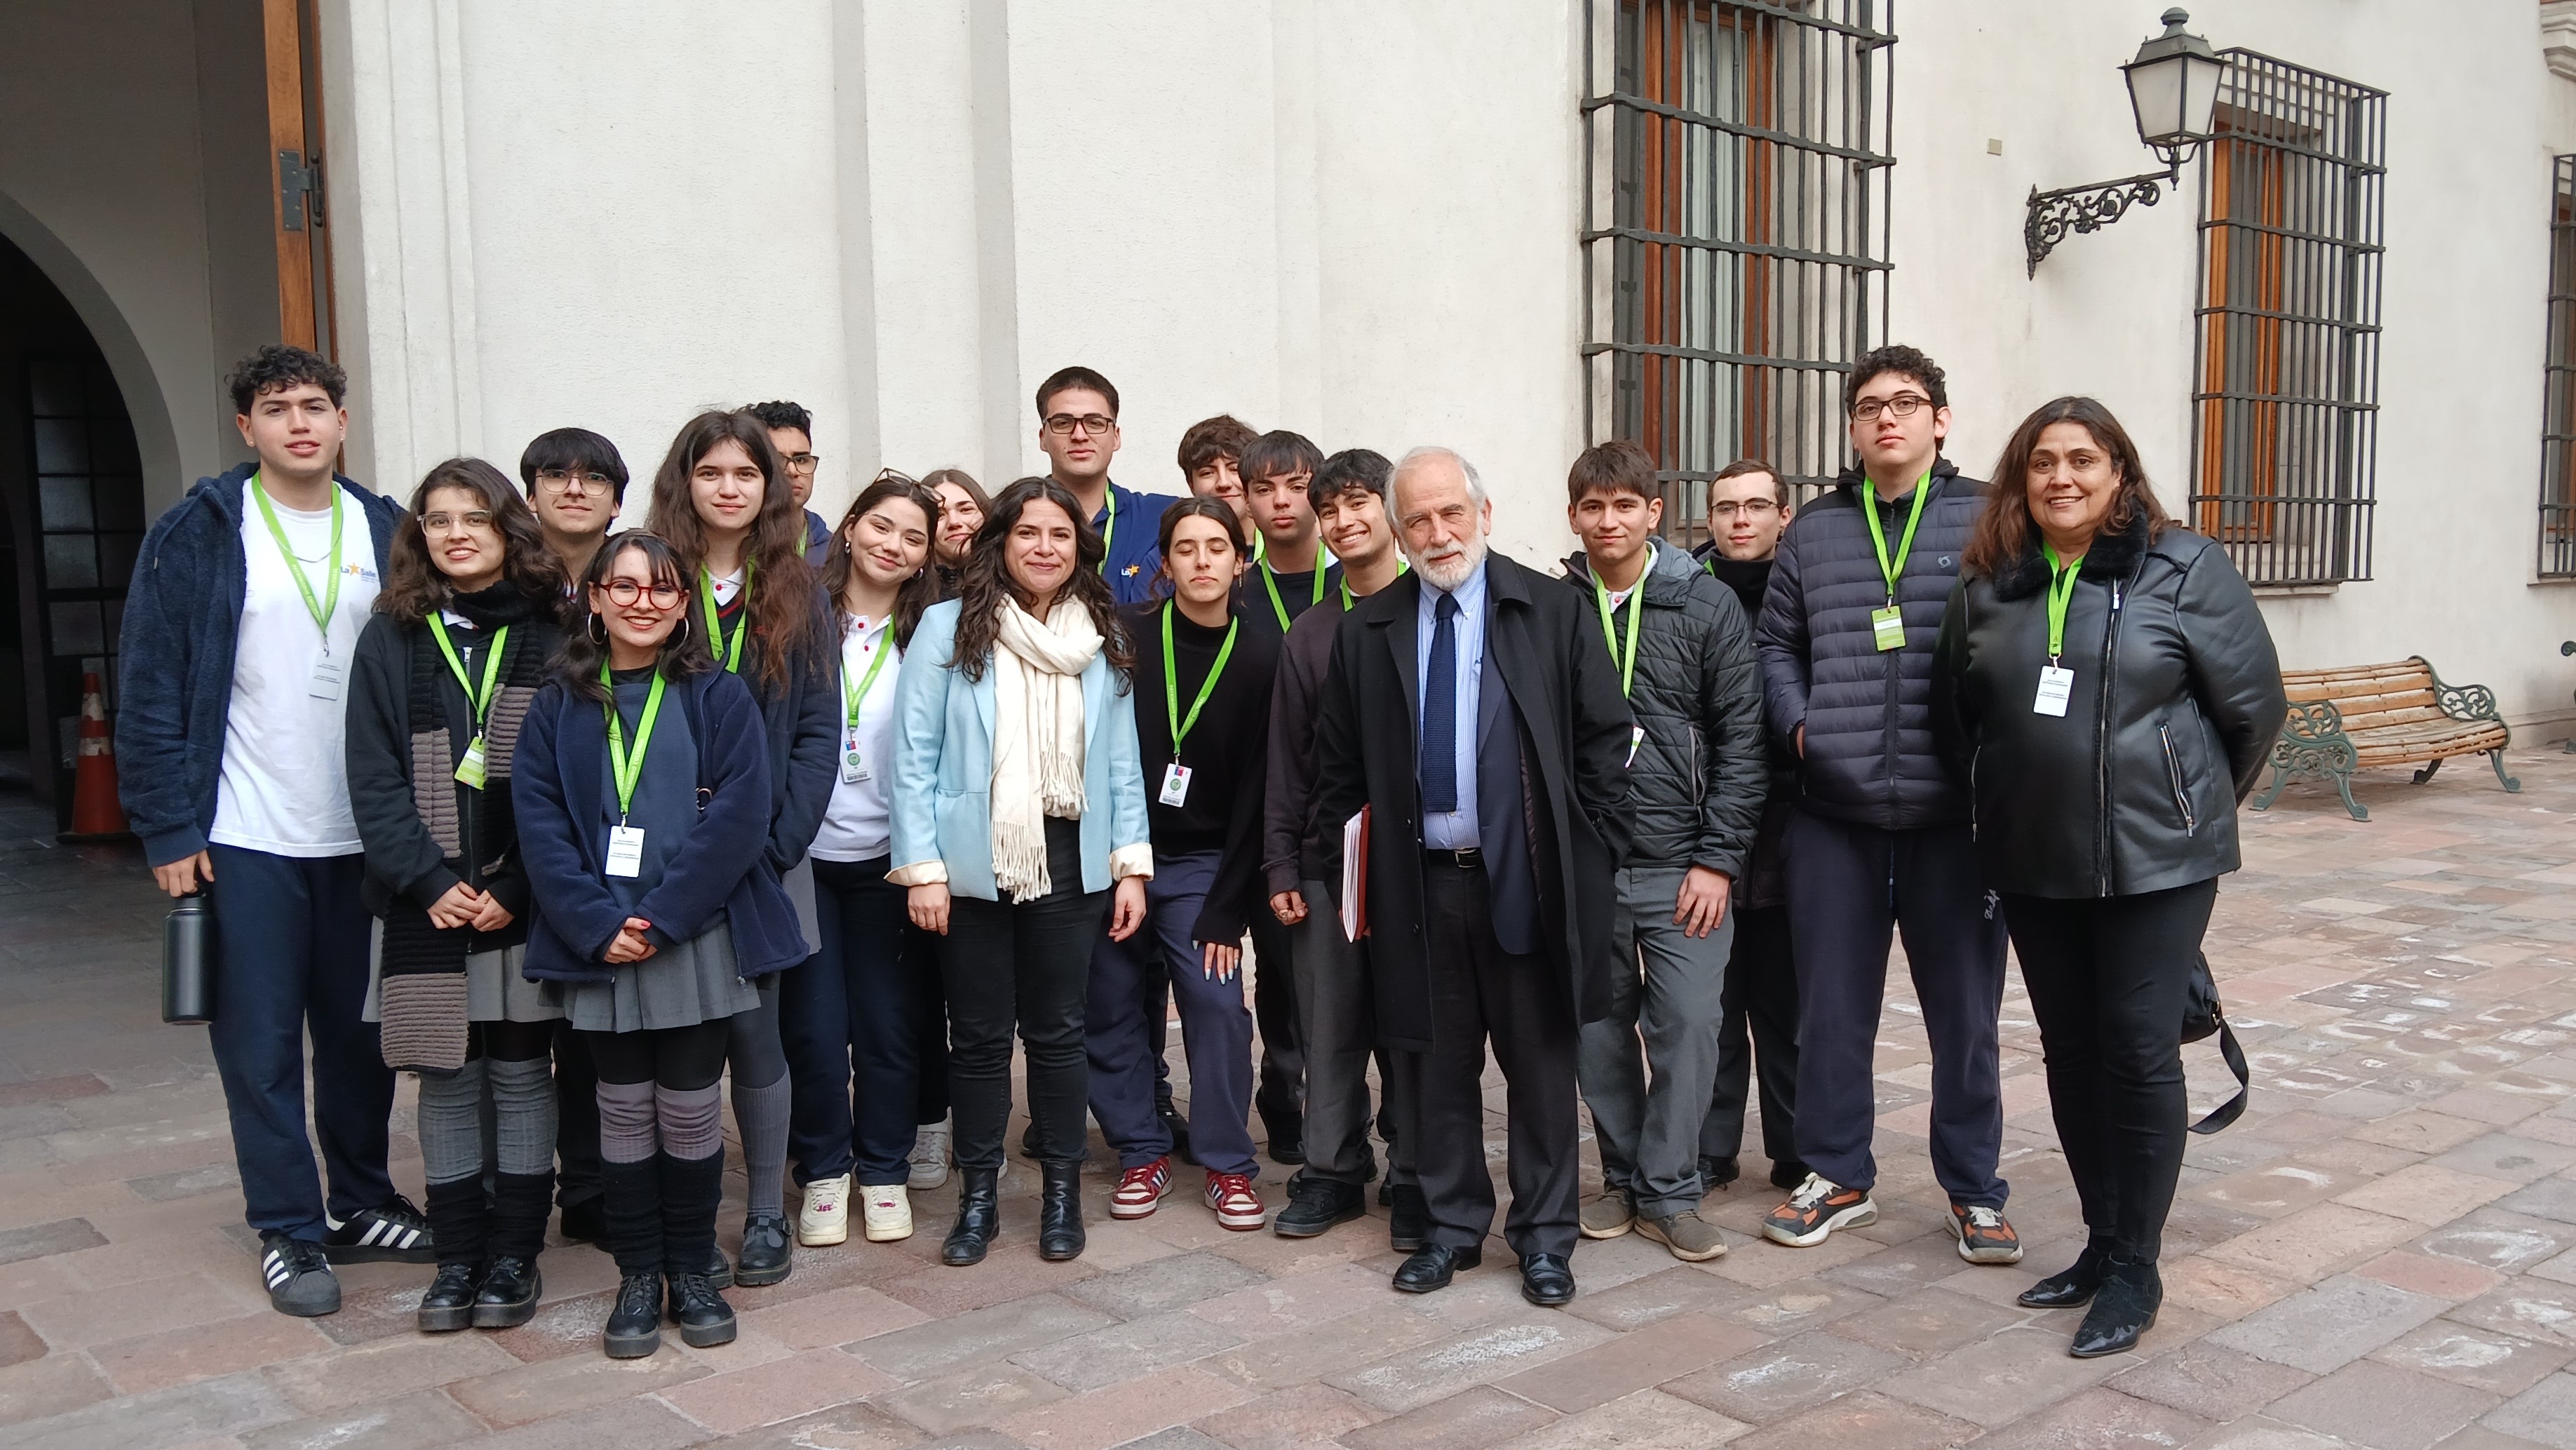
1985	1236
1815	1209
1236	1206
1141	1188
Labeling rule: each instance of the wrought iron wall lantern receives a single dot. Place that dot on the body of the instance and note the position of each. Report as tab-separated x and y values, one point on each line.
2173	91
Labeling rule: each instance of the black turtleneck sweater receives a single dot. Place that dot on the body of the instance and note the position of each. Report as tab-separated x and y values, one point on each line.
1749	578
1226	749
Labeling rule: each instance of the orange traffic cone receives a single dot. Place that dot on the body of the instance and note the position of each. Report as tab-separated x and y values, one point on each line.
96	815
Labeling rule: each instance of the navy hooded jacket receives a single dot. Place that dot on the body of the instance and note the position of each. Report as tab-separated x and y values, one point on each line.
175	677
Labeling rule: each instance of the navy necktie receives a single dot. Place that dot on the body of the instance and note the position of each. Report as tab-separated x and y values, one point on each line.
1440	711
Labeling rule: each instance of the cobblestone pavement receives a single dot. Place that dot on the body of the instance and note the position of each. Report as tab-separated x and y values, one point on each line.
2381	1254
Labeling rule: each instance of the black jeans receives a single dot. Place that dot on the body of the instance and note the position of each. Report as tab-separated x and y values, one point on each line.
1757	1040
1023	966
851	1019
2108	977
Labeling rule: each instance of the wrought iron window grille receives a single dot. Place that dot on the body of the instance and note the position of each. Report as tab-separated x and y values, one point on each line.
2558	404
1735	237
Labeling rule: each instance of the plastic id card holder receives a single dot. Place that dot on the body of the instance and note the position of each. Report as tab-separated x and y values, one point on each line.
325	683
1887	627
854	766
626	851
469	766
2056	686
1176	785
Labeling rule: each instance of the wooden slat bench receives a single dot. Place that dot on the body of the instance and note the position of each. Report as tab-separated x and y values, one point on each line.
2347	719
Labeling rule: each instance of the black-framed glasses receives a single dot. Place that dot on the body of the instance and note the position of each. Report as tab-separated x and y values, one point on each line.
1093	424
624	592
565	480
479	520
1903	405
800	462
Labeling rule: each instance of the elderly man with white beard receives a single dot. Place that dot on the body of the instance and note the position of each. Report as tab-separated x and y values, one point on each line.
1473	711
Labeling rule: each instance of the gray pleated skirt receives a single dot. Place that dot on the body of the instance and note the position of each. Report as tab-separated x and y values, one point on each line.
678	986
495	988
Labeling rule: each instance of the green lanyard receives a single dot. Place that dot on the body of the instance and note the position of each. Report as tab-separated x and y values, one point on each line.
628	769
1894	569
1401	569
1610	634
730	654
481	702
2061	593
885	647
1172	683
1270	581
330	601
1109	532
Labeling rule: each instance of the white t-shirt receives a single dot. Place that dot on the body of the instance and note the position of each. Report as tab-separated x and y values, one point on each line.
284	787
856	825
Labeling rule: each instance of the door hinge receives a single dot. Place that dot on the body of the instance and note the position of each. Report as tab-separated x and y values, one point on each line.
299	189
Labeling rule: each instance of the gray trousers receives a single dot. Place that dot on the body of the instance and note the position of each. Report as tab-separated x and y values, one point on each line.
1337	1027
1669	1002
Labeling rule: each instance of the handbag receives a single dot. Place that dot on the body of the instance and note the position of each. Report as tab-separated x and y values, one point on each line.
2202	1016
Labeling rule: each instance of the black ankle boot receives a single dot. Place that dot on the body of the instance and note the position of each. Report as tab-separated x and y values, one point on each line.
702	1314
635	1323
2124	1308
979	1217
2071	1286
449	1304
1060	1211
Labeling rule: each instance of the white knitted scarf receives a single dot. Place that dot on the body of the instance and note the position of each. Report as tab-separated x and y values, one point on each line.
1037	737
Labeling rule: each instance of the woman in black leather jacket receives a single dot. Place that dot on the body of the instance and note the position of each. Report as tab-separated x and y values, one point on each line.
2108	687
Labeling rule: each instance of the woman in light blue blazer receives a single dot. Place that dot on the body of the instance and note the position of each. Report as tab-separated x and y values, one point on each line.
1019	827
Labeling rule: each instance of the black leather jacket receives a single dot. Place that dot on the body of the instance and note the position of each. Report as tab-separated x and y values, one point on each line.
2175	705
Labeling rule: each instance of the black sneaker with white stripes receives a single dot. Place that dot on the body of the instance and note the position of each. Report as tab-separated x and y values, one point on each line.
394	1233
300	1281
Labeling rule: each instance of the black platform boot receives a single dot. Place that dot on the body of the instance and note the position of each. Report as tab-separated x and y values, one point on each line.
692	1191
632	1206
979	1217
512	1287
1060	1211
460	1223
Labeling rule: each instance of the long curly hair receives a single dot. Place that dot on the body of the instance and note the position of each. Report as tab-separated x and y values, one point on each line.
415	587
2004	531
918	592
684	650
985	583
781	607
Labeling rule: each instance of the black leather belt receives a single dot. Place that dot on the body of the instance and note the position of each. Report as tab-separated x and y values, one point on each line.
1467	859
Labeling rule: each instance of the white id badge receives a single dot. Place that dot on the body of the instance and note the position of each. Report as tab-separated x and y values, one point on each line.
1176	784
854	766
2055	685
1636	738
325	684
626	850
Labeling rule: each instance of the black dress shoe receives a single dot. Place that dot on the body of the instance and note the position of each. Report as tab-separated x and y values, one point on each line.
2069	1287
767	1251
979	1218
1716	1173
449	1304
1316	1204
702	1314
2124	1308
510	1294
586	1222
1408	1219
635	1324
1789	1174
1287	1138
1060	1235
1547	1280
1432	1266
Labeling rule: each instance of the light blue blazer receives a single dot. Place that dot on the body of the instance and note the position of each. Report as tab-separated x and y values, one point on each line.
943	764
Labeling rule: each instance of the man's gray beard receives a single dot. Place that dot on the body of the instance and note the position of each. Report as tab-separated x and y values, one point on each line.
1447	575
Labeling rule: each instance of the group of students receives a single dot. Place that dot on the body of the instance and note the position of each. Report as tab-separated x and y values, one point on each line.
575	824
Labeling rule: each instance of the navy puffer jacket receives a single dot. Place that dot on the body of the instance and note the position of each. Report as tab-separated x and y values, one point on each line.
1870	756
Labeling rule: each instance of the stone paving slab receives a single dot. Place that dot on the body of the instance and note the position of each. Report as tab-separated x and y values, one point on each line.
2380	1256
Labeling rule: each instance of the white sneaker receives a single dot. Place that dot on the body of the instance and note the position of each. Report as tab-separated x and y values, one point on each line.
929	1155
888	1210
825	1218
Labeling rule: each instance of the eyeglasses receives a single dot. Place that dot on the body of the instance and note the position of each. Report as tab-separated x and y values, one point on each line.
1903	405
478	520
624	592
801	462
1093	424
564	480
1751	508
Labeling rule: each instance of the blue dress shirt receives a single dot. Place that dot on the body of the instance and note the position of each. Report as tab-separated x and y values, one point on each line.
1454	830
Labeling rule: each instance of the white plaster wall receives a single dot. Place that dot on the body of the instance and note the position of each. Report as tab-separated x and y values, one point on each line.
2472	123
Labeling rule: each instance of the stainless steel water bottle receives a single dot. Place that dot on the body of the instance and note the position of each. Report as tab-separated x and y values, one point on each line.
189	961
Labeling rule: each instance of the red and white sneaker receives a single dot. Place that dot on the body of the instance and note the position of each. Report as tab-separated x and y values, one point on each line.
1141	1188
1236	1206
